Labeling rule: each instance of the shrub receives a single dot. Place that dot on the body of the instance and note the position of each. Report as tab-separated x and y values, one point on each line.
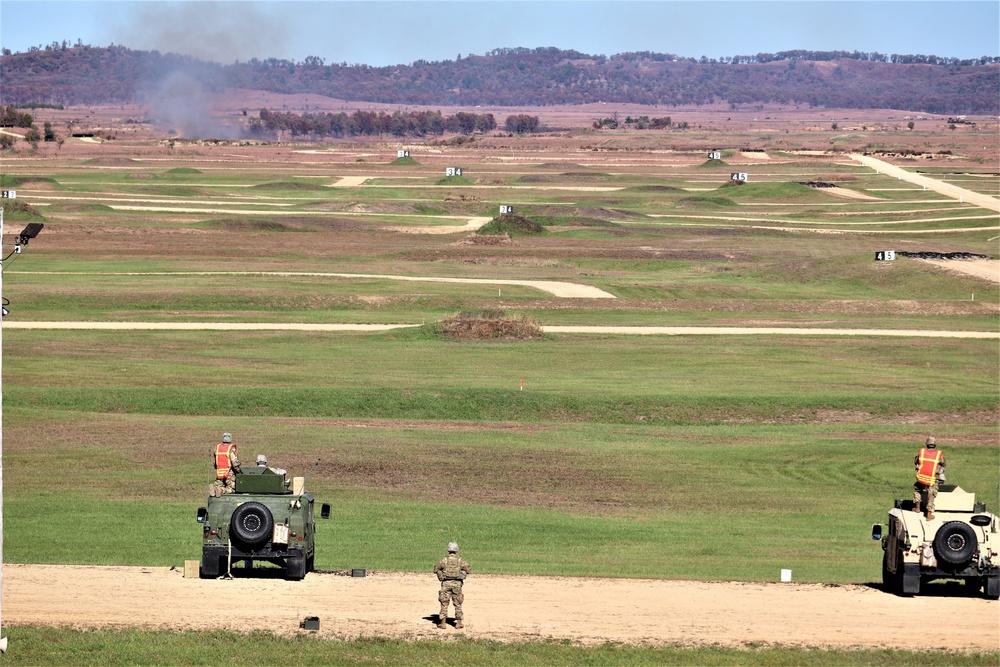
490	324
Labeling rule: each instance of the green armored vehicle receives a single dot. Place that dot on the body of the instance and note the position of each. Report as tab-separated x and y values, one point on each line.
961	541
263	519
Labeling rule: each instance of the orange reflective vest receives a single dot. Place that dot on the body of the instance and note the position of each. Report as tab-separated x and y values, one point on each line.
223	462
928	461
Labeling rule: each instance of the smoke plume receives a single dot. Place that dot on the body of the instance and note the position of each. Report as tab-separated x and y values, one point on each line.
180	95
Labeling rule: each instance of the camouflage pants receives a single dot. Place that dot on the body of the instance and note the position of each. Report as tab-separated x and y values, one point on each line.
222	486
926	495
451	591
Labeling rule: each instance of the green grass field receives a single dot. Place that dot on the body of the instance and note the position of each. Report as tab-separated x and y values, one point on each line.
623	456
59	646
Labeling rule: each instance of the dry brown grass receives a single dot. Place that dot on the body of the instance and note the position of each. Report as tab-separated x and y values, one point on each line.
490	324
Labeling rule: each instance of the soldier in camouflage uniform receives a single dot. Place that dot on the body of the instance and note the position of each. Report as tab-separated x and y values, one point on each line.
225	463
929	464
451	571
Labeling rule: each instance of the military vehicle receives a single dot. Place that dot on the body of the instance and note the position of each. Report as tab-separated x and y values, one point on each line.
960	542
263	519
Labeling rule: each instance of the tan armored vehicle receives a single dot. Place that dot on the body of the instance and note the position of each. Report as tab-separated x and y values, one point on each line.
961	542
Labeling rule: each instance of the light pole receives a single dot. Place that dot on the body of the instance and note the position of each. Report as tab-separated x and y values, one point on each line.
3	640
30	232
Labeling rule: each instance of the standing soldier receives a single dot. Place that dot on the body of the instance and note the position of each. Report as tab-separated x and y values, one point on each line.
451	571
929	464
226	462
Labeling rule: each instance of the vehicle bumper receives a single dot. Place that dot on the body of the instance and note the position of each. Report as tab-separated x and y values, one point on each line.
264	553
972	571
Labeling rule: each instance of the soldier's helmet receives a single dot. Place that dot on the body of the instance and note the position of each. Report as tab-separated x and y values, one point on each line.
227	438
930	442
453	547
262	460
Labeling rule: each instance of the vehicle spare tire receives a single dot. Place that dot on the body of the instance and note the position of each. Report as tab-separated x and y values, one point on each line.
251	523
955	543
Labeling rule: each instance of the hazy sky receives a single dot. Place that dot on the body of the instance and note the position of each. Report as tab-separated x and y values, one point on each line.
393	32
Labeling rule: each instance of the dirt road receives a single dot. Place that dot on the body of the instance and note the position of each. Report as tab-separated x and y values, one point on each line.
953	191
606	330
503	608
557	288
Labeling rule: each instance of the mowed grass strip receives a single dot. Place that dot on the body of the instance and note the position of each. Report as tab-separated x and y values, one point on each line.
32	645
730	501
647	280
396	375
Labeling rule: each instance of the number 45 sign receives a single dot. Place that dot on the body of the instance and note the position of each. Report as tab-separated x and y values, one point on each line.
885	255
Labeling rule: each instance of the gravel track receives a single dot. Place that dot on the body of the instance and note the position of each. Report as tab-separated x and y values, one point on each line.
505	608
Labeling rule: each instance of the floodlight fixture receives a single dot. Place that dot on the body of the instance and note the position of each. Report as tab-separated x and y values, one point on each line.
28	233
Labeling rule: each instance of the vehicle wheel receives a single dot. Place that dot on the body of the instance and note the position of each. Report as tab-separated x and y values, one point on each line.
955	543
887	581
295	568
251	523
310	563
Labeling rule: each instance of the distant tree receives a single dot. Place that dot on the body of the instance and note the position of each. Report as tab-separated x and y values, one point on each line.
7	141
32	136
485	123
466	122
50	134
833	126
910	125
521	123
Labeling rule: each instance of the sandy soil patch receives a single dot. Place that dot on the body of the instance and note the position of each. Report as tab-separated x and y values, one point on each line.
988	269
472	225
584	610
849	194
350	181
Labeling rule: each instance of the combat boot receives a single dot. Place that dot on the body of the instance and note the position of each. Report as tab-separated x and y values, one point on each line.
443	624
930	515
459	625
916	507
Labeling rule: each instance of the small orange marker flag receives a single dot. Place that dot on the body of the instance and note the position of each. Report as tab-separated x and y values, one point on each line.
522	385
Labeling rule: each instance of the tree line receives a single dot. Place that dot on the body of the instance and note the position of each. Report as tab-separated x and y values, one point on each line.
371	123
11	117
544	76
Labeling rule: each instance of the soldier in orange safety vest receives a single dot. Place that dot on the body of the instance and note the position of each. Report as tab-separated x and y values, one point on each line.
226	463
929	464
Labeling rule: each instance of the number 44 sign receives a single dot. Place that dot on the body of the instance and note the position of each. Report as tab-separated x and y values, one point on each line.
885	255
